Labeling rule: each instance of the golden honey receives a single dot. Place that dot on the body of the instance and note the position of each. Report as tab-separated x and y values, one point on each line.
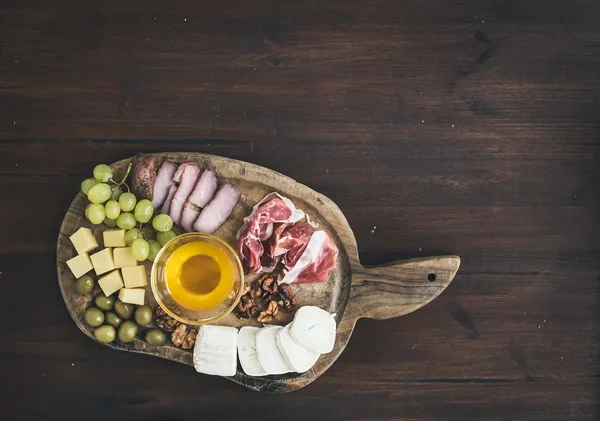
200	275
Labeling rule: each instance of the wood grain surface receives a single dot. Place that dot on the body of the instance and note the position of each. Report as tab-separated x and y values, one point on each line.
438	127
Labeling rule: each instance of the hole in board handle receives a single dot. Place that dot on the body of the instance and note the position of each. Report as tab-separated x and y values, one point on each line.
431	277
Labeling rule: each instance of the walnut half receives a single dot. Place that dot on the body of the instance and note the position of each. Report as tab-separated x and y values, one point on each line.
269	314
184	337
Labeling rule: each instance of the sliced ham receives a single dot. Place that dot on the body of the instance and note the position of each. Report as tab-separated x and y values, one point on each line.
267	216
167	205
163	182
189	215
204	190
218	210
187	175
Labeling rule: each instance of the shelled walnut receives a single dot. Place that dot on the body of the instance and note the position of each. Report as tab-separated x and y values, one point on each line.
164	321
266	288
184	337
286	297
269	314
246	308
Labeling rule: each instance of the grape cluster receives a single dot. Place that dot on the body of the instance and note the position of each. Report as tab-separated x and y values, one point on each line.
115	208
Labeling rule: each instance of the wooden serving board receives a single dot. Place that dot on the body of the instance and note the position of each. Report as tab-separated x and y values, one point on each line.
352	291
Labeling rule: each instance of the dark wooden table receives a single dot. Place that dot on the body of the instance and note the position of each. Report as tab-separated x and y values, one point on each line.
439	127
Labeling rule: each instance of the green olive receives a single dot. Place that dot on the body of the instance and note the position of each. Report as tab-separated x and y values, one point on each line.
84	285
143	315
105	303
127	331
93	317
155	337
124	310
105	334
113	319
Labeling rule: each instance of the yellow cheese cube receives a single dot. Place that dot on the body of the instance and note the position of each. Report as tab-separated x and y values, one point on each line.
134	277
80	265
103	261
124	257
132	296
114	238
111	283
83	240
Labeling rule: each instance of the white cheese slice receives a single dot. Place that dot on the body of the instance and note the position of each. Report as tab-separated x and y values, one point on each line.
111	282
269	356
215	351
246	344
80	265
314	328
132	296
298	357
83	240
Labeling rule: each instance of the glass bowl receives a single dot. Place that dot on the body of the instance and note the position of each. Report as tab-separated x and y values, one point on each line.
162	294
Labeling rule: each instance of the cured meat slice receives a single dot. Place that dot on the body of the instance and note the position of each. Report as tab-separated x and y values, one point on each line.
314	263
143	175
167	205
273	210
187	175
204	190
189	215
163	183
218	210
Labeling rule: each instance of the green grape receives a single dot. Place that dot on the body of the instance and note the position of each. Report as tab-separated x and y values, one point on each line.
103	173
126	221
116	193
140	249
131	235
87	208
162	223
127	202
164	237
143	211
99	193
111	223
112	209
95	213
154	249
87	184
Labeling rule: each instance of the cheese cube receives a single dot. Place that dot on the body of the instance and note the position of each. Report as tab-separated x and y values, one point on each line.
80	265
134	277
103	261
83	240
111	283
132	296
114	238
124	257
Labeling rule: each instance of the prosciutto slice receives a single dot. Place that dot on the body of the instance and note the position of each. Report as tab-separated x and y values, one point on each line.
163	183
314	263
253	237
187	175
218	210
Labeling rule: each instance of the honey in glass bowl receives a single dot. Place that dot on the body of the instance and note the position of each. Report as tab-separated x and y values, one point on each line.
200	275
197	278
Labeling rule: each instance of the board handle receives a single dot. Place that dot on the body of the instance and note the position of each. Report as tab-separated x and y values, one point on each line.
401	287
